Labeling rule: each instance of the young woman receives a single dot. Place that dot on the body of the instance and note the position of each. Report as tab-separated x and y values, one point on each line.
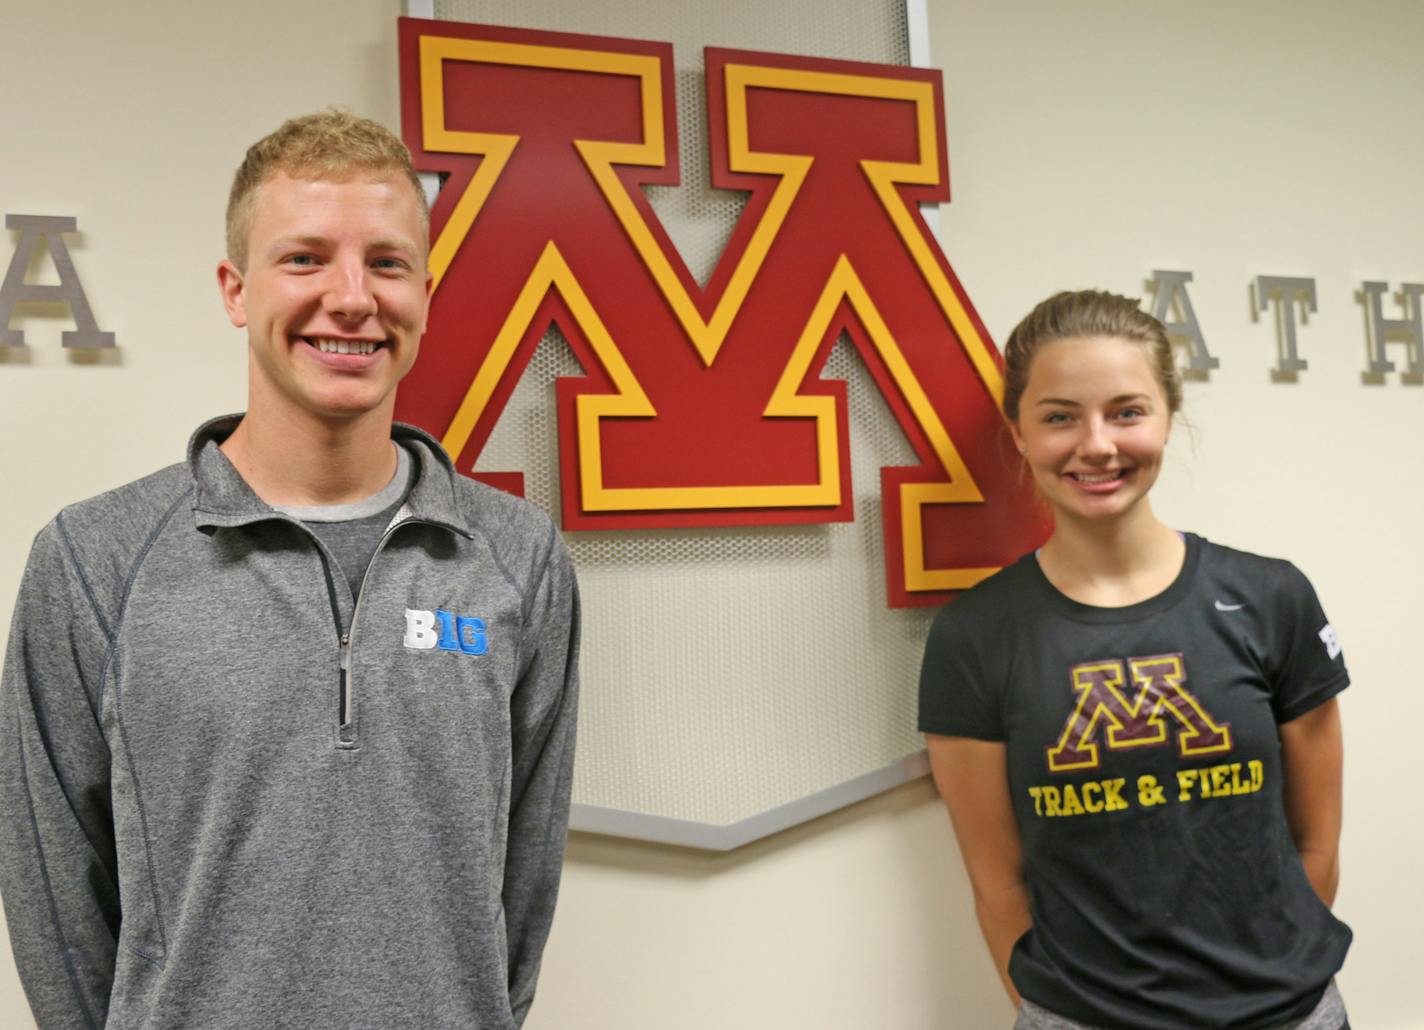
1135	730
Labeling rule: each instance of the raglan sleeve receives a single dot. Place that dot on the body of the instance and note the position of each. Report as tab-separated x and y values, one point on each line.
544	713
1307	665
58	871
957	695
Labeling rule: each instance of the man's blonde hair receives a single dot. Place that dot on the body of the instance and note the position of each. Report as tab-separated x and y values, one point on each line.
333	144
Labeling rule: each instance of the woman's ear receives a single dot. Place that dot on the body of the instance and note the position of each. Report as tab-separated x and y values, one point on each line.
1018	438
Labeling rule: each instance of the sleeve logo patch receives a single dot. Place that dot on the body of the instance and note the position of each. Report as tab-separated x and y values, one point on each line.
446	631
1331	640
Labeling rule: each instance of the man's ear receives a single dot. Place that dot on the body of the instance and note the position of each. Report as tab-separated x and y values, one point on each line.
230	285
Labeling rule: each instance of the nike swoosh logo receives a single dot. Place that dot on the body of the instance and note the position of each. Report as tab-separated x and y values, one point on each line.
1229	607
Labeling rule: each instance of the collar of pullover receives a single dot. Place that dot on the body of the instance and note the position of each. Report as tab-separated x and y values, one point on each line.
222	498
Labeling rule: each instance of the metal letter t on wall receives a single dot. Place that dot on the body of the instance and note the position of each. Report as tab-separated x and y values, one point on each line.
1286	291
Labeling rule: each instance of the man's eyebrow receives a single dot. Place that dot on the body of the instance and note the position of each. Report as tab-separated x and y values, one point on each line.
298	240
392	243
395	243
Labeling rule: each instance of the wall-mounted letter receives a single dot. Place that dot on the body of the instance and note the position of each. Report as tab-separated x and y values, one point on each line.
48	229
1171	292
1408	330
1286	291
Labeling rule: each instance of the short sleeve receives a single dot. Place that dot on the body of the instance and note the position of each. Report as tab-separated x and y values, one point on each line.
957	698
1307	664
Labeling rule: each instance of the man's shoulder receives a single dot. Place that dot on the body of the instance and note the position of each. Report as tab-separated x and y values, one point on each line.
508	521
103	537
513	519
521	535
121	521
130	506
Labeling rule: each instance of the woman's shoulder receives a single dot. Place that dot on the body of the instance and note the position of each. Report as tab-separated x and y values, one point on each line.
1243	578
969	647
1221	561
1008	590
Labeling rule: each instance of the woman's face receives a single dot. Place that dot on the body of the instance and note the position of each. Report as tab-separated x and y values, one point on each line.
1092	425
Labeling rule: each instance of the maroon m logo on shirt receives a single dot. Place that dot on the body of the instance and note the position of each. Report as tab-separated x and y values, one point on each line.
1135	717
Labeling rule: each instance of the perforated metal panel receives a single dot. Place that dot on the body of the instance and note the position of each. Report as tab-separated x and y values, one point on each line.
729	674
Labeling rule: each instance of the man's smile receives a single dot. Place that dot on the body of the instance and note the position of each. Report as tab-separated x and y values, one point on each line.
336	345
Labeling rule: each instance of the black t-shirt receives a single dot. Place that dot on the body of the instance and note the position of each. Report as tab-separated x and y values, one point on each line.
1145	768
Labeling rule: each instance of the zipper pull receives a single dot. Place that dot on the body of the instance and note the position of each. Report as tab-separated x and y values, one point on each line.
343	711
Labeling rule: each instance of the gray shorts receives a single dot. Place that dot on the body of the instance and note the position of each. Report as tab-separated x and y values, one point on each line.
1328	1015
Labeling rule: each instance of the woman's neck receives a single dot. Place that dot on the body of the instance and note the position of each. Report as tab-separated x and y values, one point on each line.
1113	564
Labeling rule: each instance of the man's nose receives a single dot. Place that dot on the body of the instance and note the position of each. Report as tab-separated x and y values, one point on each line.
349	292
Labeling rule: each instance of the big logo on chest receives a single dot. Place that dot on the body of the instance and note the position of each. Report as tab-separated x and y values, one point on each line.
445	631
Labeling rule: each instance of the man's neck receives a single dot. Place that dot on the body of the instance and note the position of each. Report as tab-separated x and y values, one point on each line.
302	460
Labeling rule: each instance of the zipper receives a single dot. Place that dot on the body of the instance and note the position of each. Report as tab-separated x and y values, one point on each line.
346	729
343	692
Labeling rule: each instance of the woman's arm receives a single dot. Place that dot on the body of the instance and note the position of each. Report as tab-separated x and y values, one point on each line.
972	777
1312	758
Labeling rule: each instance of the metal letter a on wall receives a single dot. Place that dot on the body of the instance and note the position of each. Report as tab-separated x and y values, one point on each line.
47	230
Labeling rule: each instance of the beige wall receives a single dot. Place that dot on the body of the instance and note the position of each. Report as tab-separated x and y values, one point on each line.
1090	141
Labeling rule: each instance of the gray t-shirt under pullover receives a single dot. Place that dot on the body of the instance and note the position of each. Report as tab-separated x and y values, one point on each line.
352	532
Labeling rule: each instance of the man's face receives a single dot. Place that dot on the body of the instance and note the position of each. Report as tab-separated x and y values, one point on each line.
334	296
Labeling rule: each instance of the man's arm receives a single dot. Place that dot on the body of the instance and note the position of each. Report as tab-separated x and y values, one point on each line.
972	777
543	714
1313	758
58	871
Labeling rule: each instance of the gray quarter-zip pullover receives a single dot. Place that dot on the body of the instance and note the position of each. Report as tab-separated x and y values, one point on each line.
221	811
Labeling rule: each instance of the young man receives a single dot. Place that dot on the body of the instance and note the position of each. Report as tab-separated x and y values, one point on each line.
286	731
